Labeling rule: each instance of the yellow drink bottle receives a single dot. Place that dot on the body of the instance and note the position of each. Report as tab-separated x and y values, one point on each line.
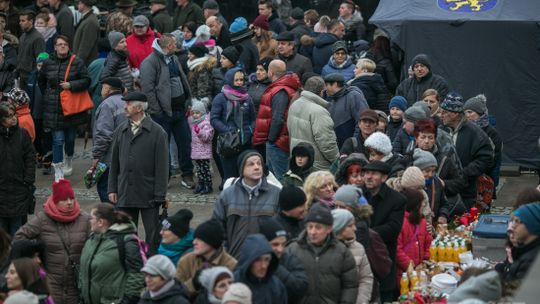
441	253
404	284
414	279
433	252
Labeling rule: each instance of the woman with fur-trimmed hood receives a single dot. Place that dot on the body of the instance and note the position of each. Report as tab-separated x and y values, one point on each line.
200	79
300	165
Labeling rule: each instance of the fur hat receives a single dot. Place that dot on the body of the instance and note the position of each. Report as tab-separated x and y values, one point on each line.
321	214
412	178
62	190
380	142
423	159
291	197
178	223
210	232
239	293
160	265
114	38
452	102
342	218
203	33
477	103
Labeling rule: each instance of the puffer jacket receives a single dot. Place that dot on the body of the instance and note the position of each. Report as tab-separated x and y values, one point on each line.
240	212
365	276
200	79
102	276
322	50
60	273
332	272
17	169
345	107
292	274
139	47
176	294
116	65
201	142
52	73
256	90
413	245
268	290
346	69
375	92
309	121
109	115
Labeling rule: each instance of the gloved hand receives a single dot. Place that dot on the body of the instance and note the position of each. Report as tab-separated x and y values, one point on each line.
196	129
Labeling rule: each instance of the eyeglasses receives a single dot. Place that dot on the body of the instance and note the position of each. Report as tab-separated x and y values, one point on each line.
515	221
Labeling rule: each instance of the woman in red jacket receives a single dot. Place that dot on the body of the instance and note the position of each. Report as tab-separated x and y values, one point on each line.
414	239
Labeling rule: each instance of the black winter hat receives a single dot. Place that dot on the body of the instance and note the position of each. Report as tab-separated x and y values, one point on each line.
286	36
271	229
211	232
297	13
135	96
321	214
232	53
178	223
114	82
422	59
199	50
291	197
265	62
378	166
27	249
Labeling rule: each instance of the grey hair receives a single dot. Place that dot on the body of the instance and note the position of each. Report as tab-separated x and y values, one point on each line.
315	85
140	104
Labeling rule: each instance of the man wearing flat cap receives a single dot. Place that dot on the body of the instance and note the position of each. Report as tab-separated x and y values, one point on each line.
139	167
287	52
85	42
109	115
387	218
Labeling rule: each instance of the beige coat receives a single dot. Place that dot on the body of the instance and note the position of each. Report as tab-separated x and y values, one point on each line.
365	276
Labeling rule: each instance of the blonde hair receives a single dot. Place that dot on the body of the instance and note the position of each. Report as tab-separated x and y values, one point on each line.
314	181
367	64
431	92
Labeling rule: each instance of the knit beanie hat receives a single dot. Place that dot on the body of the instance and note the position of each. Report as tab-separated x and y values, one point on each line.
178	223
210	232
265	62
486	287
62	190
399	102
422	59
297	13
271	229
232	53
198	106
179	35
22	297
423	159
244	156
424	106
42	57
160	265
380	142
203	33
529	215
115	38
198	49
414	114
453	102
321	214
239	24
342	218
291	197
477	103
350	195
412	178
210	276
237	293
262	22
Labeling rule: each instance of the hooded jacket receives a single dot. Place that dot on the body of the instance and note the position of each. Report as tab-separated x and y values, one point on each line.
175	295
346	69
331	271
374	89
345	107
309	121
297	175
268	290
413	88
322	50
341	173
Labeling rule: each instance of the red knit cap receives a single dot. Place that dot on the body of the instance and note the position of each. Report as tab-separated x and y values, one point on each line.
262	22
61	190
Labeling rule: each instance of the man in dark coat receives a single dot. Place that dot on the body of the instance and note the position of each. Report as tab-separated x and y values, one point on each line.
267	9
290	270
17	171
322	51
37	6
12	17
387	218
473	146
116	64
64	18
85	42
139	169
185	11
296	63
219	31
240	35
31	44
298	27
292	205
161	20
423	79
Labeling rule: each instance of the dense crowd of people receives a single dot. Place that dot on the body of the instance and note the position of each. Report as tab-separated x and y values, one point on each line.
333	174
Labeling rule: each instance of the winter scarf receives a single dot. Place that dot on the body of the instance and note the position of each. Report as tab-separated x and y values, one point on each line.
59	215
329	202
339	66
482	121
198	120
176	250
196	62
235	93
46	32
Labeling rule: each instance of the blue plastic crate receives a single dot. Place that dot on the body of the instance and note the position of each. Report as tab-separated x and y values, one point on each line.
492	226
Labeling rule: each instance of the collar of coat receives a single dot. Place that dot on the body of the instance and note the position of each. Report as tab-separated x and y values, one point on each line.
146	124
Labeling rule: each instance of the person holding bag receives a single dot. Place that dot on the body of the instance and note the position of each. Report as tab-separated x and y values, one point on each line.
64	74
233	117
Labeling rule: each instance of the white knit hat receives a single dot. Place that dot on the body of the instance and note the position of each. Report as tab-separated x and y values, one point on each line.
380	142
412	178
237	292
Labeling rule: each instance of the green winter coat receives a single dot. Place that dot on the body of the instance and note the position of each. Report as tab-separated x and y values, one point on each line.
103	278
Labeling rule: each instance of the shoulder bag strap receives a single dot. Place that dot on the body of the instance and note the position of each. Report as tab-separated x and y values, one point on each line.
69	67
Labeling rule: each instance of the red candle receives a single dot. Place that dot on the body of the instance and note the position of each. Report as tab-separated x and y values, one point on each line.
474	212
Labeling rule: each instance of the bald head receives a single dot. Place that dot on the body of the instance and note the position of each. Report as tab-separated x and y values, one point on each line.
215	25
276	69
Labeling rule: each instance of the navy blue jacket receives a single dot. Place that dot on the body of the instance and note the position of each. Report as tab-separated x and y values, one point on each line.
322	51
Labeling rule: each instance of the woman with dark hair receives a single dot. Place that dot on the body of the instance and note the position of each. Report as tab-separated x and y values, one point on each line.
111	260
23	274
414	239
51	82
381	53
189	29
232	111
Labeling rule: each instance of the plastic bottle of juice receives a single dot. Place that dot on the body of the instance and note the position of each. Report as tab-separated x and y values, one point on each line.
404	284
455	254
441	252
423	279
462	247
433	252
414	279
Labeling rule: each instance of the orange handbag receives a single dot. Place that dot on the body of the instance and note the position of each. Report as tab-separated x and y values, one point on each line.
74	102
